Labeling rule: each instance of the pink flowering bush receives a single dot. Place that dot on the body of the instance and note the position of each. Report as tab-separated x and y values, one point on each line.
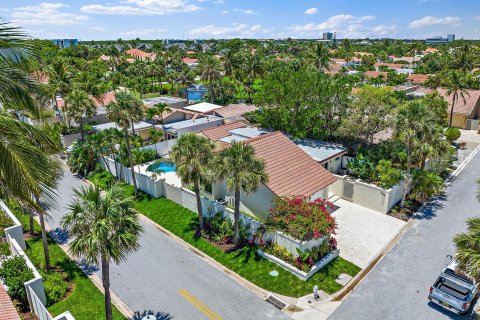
302	219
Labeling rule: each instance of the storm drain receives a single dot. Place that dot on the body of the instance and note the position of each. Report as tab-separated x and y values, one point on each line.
277	303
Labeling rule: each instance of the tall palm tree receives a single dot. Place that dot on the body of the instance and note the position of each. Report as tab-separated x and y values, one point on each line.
104	229
243	172
456	89
192	154
125	112
60	76
26	170
157	111
412	122
320	56
185	78
210	70
77	105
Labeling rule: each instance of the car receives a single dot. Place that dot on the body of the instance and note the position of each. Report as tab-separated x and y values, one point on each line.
452	290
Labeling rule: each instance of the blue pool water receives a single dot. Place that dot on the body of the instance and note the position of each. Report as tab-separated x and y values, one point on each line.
162	167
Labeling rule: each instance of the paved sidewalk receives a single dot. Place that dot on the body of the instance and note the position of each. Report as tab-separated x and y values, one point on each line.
7	310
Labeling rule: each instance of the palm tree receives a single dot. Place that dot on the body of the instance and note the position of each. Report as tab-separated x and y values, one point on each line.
320	56
456	89
155	137
77	105
426	184
125	112
60	77
157	111
104	228
192	155
243	172
468	248
185	78
210	71
413	120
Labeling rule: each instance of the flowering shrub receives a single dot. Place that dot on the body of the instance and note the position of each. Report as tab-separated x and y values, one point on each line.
302	219
221	230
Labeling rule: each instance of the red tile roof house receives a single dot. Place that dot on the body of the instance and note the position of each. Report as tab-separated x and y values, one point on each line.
291	171
465	113
417	79
141	55
234	112
101	116
191	62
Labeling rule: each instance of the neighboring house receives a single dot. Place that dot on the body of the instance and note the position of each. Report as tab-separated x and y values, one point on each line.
290	170
141	128
172	102
376	74
234	112
417	79
203	107
104	58
191	62
430	50
334	68
101	114
65	43
177	115
141	55
195	124
328	154
398	67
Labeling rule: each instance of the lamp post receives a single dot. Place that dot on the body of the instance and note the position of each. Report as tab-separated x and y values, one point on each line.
117	147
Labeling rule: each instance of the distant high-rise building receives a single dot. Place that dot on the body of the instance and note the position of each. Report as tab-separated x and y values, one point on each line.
327	36
65	43
440	40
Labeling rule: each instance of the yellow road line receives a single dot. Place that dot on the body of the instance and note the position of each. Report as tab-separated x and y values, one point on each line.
199	305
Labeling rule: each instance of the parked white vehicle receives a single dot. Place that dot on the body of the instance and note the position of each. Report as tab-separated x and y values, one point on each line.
453	291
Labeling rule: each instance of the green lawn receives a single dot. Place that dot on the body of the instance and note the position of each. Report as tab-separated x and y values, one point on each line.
245	262
86	302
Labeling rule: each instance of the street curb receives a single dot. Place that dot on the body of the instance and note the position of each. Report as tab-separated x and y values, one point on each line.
119	304
262	293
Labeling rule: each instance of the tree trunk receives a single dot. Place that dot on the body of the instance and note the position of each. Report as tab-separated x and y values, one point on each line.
106	164
133	129
451	111
132	168
44	236
31	223
106	287
186	94
211	91
406	183
236	215
199	204
82	133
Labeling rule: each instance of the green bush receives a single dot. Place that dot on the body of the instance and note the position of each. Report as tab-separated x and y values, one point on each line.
14	273
56	286
452	134
4	248
221	230
387	174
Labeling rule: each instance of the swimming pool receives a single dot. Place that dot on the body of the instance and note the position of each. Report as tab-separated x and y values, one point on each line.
161	167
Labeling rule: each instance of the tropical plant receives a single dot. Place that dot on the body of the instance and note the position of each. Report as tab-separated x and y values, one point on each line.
185	78
362	167
467	248
452	134
210	70
426	184
192	155
456	89
387	174
157	112
243	172
14	272
320	56
126	111
103	228
77	105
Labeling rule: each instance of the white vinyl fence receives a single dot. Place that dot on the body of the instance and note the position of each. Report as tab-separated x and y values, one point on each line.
34	287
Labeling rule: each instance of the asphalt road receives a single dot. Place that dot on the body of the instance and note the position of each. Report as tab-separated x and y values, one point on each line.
165	277
397	288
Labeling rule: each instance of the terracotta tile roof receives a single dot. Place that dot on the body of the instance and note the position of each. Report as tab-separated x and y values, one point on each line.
431	50
407	59
189	60
7	310
234	110
383	135
139	54
106	99
337	60
461	107
389	65
290	170
335	68
418	78
220	132
376	74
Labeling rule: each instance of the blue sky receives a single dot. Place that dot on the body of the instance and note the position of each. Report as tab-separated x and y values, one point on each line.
192	19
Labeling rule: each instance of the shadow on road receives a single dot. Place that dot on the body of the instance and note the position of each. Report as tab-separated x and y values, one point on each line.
450	314
437	203
59	235
159	315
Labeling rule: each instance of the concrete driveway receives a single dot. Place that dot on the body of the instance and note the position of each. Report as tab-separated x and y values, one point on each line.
363	233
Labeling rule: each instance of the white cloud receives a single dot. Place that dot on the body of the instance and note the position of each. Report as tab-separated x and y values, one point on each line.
311	11
244	11
331	24
46	13
101	29
143	7
143	32
241	30
431	21
218	2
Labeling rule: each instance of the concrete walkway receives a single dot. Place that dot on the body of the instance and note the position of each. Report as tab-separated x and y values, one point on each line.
164	276
7	310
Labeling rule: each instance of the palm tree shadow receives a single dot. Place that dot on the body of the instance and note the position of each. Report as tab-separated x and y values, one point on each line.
430	211
159	315
59	235
88	269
